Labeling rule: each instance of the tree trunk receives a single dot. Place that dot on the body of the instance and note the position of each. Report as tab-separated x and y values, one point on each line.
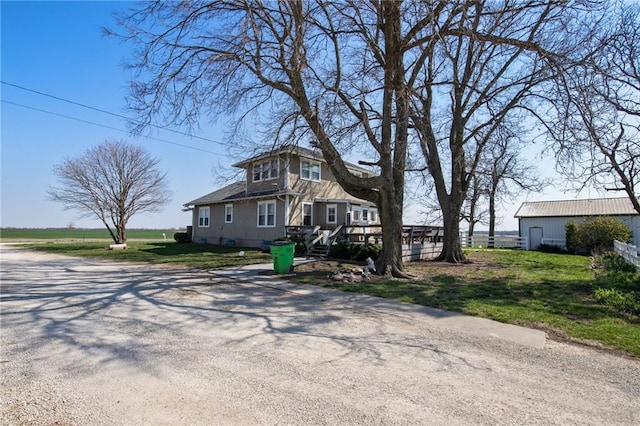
389	261
492	219
122	233
472	225
387	190
452	248
472	219
114	237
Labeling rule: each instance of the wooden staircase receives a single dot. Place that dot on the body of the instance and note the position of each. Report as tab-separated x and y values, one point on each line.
320	251
313	237
316	249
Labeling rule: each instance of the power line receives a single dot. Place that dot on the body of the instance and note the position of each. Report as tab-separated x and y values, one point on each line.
107	112
105	126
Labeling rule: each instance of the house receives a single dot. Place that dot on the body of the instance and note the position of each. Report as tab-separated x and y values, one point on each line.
287	187
543	222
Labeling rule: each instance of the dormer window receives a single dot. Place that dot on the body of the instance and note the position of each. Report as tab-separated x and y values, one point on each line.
265	170
310	170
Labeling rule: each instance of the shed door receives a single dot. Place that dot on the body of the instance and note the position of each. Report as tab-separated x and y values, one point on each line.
535	237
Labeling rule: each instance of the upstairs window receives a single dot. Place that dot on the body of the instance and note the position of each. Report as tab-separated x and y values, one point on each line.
310	170
266	170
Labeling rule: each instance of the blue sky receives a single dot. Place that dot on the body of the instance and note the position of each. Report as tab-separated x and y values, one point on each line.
57	48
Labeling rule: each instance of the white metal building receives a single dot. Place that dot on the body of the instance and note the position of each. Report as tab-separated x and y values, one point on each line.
543	222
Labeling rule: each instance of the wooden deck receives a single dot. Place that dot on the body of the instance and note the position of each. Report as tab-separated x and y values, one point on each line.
419	242
372	234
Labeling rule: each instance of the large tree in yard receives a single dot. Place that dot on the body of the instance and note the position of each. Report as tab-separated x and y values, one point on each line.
112	181
485	63
332	71
357	75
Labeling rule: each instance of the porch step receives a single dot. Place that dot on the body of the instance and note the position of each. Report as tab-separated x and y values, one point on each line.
319	250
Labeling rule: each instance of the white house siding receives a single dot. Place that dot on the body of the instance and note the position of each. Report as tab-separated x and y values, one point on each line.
553	228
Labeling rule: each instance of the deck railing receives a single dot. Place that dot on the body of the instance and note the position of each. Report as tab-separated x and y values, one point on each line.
372	234
418	241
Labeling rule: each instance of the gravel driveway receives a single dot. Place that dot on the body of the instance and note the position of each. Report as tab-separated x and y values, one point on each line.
91	342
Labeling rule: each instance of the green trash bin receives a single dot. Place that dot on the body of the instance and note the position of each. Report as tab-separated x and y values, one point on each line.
282	254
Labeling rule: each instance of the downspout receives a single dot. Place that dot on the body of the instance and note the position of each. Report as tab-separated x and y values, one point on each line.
286	187
286	210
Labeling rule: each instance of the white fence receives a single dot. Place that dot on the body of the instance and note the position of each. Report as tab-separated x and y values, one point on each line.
559	242
628	252
496	241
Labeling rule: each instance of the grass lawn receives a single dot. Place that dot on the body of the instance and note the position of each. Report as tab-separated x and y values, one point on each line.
553	292
191	255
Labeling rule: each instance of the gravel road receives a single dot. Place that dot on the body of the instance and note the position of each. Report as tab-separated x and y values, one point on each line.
92	342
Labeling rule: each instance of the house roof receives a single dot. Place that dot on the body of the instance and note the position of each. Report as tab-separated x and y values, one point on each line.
313	154
589	207
230	192
238	191
235	192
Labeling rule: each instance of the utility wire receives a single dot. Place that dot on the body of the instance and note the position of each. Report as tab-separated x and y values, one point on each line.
107	112
105	126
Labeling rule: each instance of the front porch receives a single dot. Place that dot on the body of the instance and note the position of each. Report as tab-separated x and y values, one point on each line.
419	241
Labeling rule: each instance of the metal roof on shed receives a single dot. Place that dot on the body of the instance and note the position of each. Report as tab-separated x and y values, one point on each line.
590	207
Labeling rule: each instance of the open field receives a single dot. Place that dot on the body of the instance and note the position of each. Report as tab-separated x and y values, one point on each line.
30	234
552	292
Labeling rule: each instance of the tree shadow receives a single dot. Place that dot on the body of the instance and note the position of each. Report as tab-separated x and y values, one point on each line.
136	313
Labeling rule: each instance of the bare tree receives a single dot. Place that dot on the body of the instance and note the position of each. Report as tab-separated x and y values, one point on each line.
506	174
500	176
598	139
484	62
472	210
328	73
356	75
113	182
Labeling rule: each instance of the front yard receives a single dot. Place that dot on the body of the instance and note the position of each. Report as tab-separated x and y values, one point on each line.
553	292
